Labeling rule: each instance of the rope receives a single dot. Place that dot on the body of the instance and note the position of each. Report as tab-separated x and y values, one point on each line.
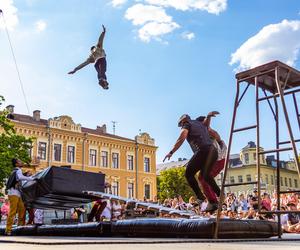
16	65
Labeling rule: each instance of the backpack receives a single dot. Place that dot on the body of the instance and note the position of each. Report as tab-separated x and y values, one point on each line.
12	180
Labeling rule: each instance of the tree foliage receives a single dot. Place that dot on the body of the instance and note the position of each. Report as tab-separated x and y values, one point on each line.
12	145
172	182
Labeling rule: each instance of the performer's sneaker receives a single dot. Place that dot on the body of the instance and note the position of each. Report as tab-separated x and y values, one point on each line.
101	83
105	84
211	207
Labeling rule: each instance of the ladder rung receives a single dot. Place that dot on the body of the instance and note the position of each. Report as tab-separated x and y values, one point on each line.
274	151
289	191
240	184
286	142
245	128
275	95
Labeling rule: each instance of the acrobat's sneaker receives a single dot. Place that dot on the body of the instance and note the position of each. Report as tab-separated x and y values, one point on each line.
211	207
106	84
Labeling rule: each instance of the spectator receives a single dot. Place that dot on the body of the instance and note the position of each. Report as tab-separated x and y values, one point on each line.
38	217
5	209
293	223
266	202
242	203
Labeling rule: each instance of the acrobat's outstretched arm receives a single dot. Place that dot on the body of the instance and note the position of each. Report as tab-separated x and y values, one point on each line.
101	38
207	120
80	66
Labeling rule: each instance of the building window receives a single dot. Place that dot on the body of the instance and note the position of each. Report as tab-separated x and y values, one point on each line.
296	183
93	157
231	179
57	152
42	150
254	156
285	181
147	191
115	160
272	179
267	179
71	154
130	190
147	165
240	178
290	182
130	162
246	158
281	181
248	176
115	188
104	159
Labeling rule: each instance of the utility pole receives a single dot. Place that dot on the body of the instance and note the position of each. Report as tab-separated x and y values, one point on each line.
114	126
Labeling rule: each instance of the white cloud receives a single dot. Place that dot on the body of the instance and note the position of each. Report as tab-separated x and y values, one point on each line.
156	30
118	3
9	13
154	21
211	6
40	25
188	35
152	15
139	14
279	41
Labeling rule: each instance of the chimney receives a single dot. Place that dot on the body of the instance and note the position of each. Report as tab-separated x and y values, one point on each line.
10	108
37	115
101	129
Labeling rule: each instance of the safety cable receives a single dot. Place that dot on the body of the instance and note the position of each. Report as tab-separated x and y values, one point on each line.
17	68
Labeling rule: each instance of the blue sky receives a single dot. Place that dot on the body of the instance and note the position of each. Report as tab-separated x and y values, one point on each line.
165	58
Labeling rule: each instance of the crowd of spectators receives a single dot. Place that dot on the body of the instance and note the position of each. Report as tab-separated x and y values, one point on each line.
246	207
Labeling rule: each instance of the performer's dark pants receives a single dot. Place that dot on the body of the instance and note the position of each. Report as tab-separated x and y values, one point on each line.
100	66
30	216
97	210
203	160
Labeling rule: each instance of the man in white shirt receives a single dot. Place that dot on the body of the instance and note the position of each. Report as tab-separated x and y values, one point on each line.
16	205
98	57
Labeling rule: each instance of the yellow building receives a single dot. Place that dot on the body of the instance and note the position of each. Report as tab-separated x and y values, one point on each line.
129	165
242	168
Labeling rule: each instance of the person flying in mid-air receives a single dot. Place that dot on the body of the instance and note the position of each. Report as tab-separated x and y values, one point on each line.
98	57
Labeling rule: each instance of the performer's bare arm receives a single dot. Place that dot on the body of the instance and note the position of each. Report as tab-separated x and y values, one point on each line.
80	66
101	38
183	135
207	120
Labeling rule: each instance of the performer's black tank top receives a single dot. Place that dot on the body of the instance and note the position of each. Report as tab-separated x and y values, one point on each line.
198	136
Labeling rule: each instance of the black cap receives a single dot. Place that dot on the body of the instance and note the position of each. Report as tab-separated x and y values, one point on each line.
182	118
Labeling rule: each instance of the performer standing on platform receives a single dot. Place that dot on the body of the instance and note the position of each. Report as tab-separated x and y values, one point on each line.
14	196
205	154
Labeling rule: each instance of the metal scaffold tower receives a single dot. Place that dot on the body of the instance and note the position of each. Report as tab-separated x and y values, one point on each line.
275	80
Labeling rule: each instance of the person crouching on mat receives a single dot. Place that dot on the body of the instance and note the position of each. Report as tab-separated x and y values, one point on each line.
98	57
218	166
204	158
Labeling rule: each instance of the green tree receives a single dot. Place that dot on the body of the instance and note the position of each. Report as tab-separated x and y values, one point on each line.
12	145
172	182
